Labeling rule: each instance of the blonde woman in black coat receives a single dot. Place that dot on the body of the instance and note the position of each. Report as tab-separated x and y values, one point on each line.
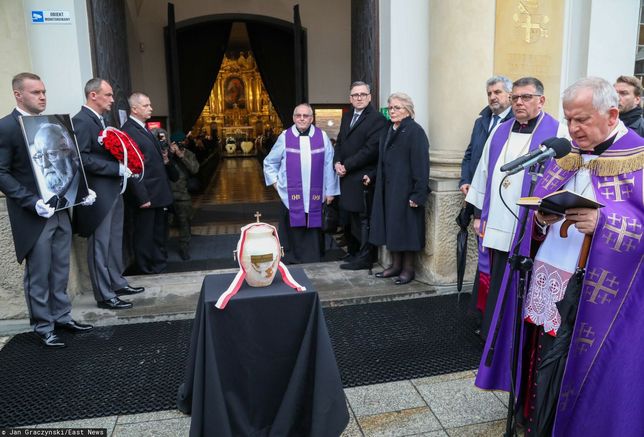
398	217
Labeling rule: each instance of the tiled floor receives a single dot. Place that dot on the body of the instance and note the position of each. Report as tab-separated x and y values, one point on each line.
237	180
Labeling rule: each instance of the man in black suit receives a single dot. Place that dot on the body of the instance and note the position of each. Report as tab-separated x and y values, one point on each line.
356	156
42	236
103	222
151	196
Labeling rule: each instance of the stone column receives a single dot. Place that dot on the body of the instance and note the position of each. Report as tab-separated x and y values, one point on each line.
461	43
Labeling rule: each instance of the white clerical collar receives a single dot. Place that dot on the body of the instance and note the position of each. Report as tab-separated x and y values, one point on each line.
297	132
99	116
23	112
139	122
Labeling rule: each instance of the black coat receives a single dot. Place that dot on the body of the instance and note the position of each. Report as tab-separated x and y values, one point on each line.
18	184
101	169
403	175
477	141
155	186
633	119
357	150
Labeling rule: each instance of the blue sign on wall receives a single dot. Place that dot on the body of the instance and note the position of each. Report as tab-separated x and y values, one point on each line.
37	17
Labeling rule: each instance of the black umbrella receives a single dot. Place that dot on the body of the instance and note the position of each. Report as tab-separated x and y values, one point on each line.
551	369
463	221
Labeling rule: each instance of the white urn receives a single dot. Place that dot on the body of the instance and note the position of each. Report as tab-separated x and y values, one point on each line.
259	253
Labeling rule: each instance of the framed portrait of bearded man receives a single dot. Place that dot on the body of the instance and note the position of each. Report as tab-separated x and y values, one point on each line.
55	159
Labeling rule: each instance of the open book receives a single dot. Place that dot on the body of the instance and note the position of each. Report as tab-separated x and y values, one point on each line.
558	202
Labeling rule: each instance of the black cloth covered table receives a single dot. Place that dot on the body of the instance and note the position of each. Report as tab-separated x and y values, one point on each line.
263	366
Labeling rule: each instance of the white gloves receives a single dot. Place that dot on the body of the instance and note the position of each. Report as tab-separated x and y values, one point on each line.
44	210
90	198
124	171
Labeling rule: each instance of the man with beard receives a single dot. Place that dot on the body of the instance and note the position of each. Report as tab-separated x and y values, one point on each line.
58	164
42	236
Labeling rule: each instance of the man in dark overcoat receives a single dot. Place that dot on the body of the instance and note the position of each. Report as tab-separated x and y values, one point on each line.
356	155
102	223
150	196
41	235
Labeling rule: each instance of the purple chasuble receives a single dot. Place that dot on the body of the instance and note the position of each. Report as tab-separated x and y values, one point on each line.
497	376
297	215
601	391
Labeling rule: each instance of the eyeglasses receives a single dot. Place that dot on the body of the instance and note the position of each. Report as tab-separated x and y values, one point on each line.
302	115
524	97
359	96
51	155
395	108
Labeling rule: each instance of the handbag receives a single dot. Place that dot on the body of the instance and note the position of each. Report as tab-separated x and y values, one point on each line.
330	218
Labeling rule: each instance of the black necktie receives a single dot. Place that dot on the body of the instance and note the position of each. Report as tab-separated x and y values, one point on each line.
495	120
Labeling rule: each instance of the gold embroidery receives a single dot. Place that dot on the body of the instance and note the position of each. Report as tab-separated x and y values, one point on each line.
553	177
585	339
599	285
616	184
618	236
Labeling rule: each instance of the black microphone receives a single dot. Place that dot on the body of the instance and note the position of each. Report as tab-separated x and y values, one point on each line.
552	147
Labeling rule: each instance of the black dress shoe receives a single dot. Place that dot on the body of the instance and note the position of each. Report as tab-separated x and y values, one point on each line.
51	340
404	279
388	273
129	290
115	304
74	326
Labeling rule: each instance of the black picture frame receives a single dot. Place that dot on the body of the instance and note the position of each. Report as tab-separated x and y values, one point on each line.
55	159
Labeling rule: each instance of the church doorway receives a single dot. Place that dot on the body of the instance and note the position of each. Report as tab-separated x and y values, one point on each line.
237	82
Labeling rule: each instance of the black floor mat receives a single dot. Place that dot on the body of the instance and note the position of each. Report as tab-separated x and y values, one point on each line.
137	368
111	370
392	341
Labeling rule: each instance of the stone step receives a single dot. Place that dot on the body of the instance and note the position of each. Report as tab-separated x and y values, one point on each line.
174	296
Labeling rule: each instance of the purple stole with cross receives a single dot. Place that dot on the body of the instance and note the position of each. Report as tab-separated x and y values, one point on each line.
498	376
297	215
601	390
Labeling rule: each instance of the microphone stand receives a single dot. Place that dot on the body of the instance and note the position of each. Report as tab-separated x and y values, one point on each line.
522	265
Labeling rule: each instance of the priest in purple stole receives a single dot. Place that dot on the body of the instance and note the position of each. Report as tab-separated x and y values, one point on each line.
300	168
518	136
600	391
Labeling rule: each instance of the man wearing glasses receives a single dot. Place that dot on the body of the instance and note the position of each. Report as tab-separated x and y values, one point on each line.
58	164
356	156
516	137
300	168
42	236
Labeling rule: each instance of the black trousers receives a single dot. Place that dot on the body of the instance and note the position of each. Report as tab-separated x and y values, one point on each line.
150	234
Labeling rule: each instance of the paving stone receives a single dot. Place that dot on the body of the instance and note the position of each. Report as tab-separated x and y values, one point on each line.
159	428
149	417
383	398
489	429
95	422
459	403
399	423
